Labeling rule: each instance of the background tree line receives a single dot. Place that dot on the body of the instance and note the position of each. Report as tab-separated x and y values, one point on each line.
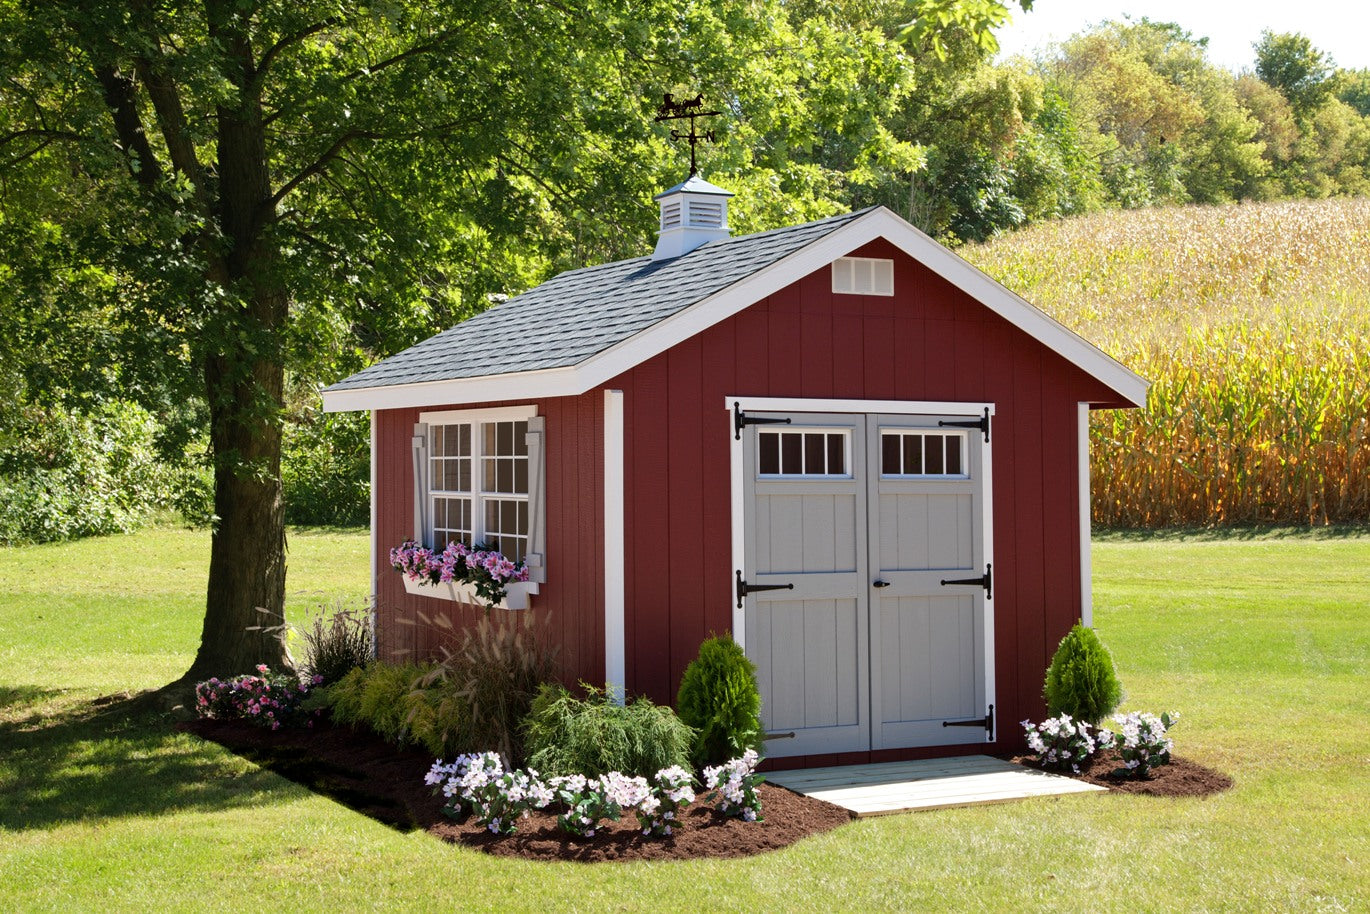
93	437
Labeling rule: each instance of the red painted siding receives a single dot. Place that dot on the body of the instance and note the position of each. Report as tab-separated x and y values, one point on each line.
570	603
928	342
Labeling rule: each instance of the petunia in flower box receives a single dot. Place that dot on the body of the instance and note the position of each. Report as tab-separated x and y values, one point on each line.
480	576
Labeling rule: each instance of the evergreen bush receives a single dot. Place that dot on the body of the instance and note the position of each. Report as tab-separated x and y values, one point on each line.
593	736
1081	681
719	698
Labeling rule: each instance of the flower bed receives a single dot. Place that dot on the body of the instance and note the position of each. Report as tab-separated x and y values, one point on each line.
363	772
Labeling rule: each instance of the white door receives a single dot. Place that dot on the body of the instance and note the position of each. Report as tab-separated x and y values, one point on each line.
852	522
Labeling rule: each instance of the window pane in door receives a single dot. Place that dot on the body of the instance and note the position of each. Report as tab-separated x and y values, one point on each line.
770	453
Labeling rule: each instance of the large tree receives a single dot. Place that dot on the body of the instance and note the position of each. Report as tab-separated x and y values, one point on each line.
237	189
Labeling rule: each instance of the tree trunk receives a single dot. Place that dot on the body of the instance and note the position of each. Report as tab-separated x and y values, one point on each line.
244	384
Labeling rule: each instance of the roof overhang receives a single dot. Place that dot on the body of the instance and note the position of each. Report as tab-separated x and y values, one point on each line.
879	223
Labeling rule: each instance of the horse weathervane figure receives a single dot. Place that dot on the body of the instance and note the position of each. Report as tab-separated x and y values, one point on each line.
672	110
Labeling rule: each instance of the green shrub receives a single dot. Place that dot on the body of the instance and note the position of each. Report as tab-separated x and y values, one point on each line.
1081	681
476	699
378	696
592	736
337	643
719	698
66	474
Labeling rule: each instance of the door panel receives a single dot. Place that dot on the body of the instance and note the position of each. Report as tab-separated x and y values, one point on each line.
928	664
809	530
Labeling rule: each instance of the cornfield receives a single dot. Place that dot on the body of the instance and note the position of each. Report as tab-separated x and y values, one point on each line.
1253	324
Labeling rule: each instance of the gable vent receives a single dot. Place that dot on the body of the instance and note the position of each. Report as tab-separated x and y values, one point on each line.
863	276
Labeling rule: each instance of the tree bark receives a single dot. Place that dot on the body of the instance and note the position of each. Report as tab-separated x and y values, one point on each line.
244	385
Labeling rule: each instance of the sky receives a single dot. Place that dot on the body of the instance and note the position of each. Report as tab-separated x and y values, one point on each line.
1339	27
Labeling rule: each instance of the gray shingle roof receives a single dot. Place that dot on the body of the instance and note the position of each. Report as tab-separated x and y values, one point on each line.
580	313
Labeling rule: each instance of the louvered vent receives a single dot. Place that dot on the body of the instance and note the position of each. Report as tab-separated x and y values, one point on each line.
670	215
706	214
863	276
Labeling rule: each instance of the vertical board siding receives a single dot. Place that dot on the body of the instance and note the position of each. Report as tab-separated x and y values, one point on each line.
570	605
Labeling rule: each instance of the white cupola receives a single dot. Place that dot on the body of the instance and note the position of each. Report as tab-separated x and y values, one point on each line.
692	213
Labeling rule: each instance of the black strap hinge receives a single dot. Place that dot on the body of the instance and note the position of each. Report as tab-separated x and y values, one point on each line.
982	424
743	588
985	580
741	420
987	722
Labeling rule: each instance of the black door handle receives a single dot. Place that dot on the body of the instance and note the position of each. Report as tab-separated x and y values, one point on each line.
881	584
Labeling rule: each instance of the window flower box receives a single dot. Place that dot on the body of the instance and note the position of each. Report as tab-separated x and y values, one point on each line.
516	592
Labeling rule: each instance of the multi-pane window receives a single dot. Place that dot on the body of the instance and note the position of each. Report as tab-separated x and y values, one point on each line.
479	485
915	452
800	452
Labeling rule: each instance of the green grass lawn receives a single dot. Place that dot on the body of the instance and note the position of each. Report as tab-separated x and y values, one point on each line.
1263	644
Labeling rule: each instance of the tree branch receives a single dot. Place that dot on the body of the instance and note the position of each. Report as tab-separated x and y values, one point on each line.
171	119
418	49
269	57
128	125
342	142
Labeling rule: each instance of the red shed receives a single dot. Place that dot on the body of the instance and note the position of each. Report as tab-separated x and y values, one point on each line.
839	441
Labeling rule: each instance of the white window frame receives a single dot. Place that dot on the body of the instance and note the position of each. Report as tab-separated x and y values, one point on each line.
801	429
536	495
904	431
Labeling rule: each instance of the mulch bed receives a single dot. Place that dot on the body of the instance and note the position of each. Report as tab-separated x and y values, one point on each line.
1180	778
378	780
359	770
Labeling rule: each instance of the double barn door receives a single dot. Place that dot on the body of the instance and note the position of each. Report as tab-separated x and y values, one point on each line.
866	583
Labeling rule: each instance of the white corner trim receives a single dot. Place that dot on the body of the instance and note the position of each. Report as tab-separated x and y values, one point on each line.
987	539
878	223
1086	566
375	517
615	651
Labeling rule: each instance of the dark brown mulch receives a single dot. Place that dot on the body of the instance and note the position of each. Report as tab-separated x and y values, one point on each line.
376	779
1180	778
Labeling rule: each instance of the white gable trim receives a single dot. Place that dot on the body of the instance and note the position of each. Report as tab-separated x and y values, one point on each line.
626	354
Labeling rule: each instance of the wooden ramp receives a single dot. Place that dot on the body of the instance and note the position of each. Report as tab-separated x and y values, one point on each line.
877	790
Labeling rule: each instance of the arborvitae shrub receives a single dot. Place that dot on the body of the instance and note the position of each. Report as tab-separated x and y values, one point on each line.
592	736
1081	681
719	698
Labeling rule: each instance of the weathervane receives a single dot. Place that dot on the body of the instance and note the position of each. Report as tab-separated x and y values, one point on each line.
672	110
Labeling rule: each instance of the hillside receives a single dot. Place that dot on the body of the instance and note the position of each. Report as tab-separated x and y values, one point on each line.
1253	323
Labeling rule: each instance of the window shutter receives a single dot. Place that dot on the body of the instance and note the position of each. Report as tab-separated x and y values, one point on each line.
537	500
421	483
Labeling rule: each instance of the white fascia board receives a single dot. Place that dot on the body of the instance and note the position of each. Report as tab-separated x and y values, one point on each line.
636	349
523	385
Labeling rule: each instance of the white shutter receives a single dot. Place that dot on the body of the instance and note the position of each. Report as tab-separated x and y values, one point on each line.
537	500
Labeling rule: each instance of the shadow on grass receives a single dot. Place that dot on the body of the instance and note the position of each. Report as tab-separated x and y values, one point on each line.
112	758
1228	534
